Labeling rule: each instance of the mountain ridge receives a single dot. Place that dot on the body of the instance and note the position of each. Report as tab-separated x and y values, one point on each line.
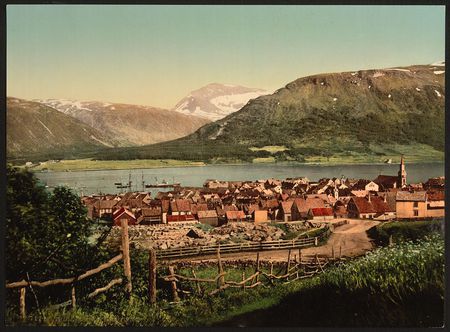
373	112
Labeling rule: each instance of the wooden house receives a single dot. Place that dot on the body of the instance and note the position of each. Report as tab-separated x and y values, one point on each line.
208	217
411	205
124	213
259	216
235	216
436	204
285	213
371	207
325	213
150	216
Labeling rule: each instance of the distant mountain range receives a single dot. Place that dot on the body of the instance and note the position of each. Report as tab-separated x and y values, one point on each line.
363	113
128	125
34	128
215	101
379	112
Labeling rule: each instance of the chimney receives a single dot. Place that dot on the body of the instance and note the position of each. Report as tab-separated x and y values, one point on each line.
369	197
385	198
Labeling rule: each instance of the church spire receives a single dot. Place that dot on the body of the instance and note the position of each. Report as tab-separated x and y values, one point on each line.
402	173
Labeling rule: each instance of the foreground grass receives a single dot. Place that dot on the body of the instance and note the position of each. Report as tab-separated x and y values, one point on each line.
401	285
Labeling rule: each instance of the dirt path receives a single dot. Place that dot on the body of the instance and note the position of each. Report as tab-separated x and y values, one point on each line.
351	238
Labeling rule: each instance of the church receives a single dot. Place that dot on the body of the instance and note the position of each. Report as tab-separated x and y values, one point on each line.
386	182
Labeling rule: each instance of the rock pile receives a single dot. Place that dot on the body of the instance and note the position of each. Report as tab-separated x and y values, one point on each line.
249	232
175	236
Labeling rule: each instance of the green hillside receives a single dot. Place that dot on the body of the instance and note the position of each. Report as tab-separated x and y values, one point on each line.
367	115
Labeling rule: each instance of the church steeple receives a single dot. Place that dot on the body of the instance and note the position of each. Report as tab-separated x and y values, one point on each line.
402	174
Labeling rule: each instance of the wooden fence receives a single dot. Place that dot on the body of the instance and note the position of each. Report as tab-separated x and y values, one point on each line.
124	256
294	268
237	247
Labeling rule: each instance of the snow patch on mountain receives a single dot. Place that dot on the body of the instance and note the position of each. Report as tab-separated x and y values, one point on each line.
216	101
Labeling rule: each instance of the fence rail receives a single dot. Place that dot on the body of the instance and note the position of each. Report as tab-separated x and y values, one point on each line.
237	247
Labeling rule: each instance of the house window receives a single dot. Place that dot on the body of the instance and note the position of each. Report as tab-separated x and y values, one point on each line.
416	213
416	204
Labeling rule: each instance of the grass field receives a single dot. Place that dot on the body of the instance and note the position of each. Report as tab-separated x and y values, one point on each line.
89	164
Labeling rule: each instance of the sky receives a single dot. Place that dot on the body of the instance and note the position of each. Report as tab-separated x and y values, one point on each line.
155	55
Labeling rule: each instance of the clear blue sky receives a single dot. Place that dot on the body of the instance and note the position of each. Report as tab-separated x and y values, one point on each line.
155	55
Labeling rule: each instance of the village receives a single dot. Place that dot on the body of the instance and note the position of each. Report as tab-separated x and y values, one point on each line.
387	197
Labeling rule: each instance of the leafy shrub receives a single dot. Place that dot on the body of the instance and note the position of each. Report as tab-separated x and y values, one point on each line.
404	230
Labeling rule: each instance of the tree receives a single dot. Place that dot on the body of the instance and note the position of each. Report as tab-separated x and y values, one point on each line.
46	234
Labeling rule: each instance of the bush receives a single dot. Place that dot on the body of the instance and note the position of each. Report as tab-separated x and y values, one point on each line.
404	230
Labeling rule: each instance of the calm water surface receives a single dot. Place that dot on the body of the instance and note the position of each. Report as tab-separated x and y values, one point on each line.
90	182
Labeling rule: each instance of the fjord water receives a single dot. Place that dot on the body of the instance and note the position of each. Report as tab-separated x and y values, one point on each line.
90	182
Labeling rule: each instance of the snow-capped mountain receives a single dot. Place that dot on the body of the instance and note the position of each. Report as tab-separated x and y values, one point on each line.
215	101
128	125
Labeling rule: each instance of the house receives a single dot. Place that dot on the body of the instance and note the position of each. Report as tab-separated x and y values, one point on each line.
208	217
435	183
165	207
124	214
235	216
104	208
195	208
259	216
325	213
371	207
411	204
436	204
300	208
340	209
386	182
366	185
284	213
181	218
180	207
271	206
150	216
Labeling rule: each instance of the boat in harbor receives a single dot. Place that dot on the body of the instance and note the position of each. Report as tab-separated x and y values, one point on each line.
163	184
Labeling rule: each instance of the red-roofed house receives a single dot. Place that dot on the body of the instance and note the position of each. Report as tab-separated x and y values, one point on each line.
235	216
371	207
321	213
124	213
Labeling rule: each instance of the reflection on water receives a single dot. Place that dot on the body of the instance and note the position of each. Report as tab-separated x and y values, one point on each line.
89	182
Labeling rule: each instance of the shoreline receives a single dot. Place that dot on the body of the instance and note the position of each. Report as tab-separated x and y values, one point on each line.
186	164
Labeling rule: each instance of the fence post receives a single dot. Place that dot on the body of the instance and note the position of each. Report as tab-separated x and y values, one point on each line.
126	255
391	240
221	280
288	266
74	299
316	242
173	284
152	276
243	278
23	314
257	267
300	257
199	290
